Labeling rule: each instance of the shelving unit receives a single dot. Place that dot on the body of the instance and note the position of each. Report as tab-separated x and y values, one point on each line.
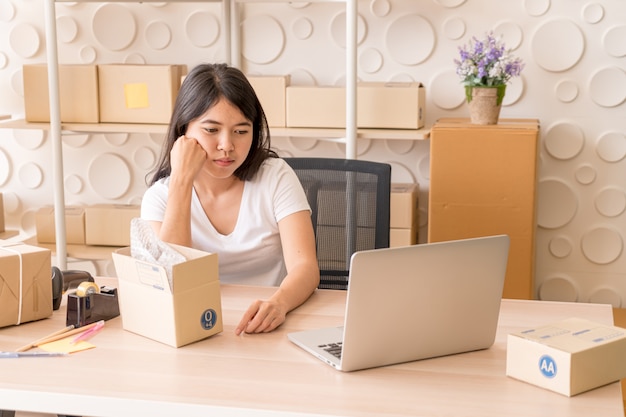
230	16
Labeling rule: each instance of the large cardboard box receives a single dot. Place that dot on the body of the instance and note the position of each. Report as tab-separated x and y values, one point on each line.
271	91
379	106
138	93
568	357
78	93
109	224
27	271
185	312
74	225
483	181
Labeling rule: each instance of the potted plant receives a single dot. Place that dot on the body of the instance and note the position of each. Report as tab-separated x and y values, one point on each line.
485	67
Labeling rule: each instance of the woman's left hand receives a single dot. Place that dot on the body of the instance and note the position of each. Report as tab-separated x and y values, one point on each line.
261	317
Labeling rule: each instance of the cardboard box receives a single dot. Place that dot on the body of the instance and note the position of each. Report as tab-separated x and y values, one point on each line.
568	357
109	224
379	106
483	181
74	225
403	206
187	312
402	237
78	93
138	93
271	91
33	274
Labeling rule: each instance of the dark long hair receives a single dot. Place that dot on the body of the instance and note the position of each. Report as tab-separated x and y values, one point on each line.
202	88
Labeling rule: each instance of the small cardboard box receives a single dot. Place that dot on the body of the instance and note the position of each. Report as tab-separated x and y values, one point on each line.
568	357
30	268
109	224
271	91
189	311
78	93
402	237
138	93
379	106
403	206
74	225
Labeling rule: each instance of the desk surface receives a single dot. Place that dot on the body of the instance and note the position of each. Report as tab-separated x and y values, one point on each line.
266	375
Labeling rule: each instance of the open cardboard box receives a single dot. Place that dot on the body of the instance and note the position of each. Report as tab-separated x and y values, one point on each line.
189	311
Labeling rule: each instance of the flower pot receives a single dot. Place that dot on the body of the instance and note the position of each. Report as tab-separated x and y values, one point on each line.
484	103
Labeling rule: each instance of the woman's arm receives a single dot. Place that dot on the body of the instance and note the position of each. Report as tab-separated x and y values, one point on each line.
298	242
187	157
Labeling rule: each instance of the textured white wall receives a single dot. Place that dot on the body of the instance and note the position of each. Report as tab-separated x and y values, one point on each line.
574	82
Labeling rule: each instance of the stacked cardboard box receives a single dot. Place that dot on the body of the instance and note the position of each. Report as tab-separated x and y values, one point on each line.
403	219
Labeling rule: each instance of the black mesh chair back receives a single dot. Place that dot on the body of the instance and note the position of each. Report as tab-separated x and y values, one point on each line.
349	200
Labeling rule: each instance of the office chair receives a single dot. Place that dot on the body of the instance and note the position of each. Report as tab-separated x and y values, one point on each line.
349	200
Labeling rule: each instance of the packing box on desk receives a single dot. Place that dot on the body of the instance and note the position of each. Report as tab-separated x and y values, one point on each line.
109	224
34	275
74	225
271	92
138	93
379	106
78	93
568	357
189	311
1	214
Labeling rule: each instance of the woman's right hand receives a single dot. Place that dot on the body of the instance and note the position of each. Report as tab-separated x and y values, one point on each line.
187	157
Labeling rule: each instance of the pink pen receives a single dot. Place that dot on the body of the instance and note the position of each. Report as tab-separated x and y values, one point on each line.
88	333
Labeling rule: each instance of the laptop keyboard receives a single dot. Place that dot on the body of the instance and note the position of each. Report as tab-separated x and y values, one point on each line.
332	348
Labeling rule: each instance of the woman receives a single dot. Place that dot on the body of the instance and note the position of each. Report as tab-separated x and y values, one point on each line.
219	187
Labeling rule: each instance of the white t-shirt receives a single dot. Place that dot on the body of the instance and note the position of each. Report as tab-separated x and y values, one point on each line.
252	253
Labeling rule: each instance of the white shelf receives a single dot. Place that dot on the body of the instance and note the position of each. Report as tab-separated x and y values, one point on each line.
292	132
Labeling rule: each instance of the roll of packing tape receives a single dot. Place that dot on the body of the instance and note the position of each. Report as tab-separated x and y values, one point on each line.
86	288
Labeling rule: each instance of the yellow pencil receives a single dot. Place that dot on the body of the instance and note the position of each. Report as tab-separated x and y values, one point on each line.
63	335
33	344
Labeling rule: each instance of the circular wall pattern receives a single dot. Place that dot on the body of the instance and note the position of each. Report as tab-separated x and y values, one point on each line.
566	91
158	35
443	96
536	7
380	8
611	147
265	48
606	296
338	29
24	40
5	167
608	87
73	184
450	3
399	147
29	138
124	32
454	28
613	41
557	45
564	141
12	203
370	60
100	171
7	11
558	289
611	202
76	141
585	174
116	139
593	13
420	34
30	175
602	245
88	54
67	29
144	158
302	28
558	204
511	32
202	29
3	60
560	247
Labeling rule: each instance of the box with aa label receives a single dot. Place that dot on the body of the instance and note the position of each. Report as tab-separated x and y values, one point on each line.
568	357
176	311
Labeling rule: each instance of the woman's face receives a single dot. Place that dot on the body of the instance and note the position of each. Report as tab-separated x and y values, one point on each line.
225	134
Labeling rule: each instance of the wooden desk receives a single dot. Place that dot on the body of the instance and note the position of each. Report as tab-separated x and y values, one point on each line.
266	375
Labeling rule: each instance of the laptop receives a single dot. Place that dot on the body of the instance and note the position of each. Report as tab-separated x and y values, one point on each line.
415	302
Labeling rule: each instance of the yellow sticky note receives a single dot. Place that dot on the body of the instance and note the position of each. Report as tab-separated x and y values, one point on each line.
136	96
66	346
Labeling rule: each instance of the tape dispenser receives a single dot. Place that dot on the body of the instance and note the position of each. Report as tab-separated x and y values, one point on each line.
86	302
